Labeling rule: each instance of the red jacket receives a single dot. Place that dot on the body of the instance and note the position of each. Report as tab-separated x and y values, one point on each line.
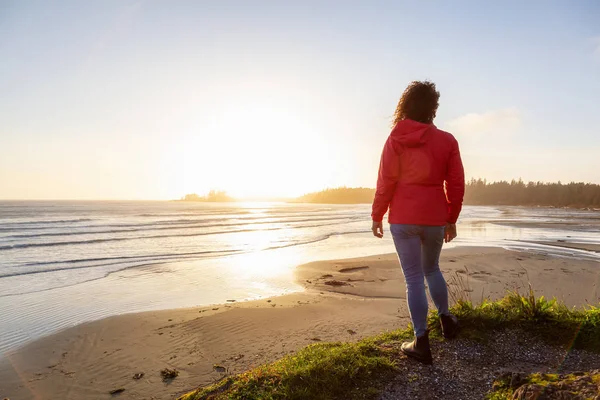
421	177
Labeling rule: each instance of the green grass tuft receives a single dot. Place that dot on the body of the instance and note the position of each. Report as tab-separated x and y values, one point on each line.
549	320
319	371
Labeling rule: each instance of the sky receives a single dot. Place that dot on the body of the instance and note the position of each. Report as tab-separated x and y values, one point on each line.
156	99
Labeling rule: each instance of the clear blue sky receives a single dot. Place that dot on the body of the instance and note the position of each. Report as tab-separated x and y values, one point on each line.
155	99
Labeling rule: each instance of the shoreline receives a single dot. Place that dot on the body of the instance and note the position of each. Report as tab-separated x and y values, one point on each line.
149	279
91	359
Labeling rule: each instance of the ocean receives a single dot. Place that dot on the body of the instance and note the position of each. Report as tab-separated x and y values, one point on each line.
68	262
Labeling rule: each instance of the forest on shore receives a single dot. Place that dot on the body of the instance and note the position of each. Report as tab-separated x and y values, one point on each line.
482	192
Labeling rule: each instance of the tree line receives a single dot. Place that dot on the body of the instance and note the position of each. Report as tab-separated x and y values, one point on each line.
519	193
482	192
341	195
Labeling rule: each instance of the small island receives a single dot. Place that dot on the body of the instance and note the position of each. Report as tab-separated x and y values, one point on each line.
214	196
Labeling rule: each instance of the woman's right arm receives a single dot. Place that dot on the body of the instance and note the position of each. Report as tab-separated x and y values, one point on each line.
389	173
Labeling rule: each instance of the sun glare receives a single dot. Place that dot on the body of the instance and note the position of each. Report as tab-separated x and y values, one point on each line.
255	149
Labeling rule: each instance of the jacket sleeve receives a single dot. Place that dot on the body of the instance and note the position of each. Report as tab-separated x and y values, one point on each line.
455	184
389	173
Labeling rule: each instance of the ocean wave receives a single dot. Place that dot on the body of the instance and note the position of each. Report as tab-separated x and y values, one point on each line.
156	259
168	224
44	222
136	257
317	239
118	239
159	227
131	225
153	259
141	260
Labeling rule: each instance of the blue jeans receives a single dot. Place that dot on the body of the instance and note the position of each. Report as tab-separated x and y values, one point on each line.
419	248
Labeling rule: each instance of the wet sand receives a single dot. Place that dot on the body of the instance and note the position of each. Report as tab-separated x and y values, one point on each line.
345	300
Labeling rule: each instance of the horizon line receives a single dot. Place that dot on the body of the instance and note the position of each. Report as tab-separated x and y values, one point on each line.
259	199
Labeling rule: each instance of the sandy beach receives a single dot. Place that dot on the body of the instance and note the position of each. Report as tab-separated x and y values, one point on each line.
344	300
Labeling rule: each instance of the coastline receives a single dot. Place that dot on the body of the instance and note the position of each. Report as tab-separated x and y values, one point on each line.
89	360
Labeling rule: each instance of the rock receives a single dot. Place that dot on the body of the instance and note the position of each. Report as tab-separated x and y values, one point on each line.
350	331
326	276
169	374
231	301
139	375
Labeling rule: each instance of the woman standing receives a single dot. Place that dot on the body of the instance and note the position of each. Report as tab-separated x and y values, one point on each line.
421	180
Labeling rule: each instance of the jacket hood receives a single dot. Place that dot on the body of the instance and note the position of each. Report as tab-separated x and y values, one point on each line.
411	133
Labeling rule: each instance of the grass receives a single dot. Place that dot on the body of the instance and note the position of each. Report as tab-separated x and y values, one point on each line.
549	320
319	371
503	390
359	370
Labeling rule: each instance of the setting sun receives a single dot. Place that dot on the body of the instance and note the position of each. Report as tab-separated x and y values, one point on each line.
251	149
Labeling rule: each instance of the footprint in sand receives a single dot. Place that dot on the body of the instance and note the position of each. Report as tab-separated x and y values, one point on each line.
219	368
337	283
353	269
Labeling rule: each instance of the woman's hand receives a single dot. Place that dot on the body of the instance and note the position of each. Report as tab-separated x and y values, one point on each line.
377	229
450	232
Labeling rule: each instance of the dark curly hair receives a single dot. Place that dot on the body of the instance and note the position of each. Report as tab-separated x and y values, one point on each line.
419	102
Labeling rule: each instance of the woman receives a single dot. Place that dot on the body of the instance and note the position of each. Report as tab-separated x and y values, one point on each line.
421	181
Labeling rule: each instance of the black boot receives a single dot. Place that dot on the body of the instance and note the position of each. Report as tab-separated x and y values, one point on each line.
449	326
419	349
